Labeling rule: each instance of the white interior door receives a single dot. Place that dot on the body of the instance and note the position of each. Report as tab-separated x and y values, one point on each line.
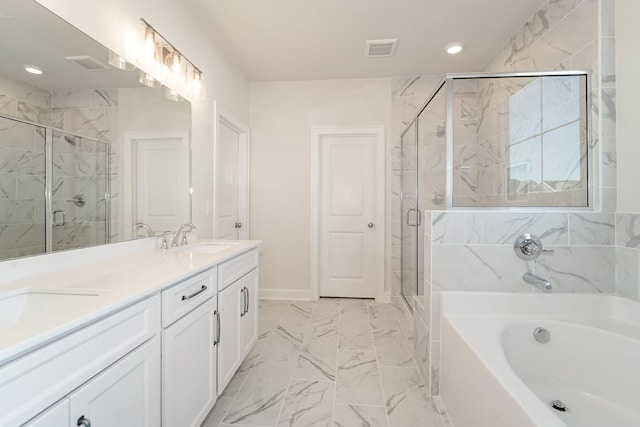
156	181
231	153
349	235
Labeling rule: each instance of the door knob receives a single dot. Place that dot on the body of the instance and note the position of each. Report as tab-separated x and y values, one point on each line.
238	225
370	225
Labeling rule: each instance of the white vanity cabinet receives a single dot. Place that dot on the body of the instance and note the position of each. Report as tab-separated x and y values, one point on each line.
237	301
106	373
189	355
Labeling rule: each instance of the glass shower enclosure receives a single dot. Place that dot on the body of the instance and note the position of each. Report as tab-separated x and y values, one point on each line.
54	189
497	141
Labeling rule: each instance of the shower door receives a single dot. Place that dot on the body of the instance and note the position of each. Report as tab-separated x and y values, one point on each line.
410	214
80	188
22	188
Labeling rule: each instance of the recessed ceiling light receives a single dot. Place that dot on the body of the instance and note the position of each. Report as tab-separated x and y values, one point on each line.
33	69
454	48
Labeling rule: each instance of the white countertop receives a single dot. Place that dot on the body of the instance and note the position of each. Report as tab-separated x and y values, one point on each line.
119	281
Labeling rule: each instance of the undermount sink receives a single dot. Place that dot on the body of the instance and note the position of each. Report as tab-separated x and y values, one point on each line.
28	305
211	247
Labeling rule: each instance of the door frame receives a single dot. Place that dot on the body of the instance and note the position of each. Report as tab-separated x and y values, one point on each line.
317	133
224	116
128	191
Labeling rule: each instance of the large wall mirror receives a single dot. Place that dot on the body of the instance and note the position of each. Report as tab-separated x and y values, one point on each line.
86	150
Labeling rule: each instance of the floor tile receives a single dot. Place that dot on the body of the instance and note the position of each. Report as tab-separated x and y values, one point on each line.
217	413
406	397
262	395
327	363
358	379
393	348
359	416
317	360
308	403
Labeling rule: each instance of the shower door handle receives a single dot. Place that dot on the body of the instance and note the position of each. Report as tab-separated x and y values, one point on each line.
408	217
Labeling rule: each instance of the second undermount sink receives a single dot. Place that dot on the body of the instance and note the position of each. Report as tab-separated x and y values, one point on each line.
32	305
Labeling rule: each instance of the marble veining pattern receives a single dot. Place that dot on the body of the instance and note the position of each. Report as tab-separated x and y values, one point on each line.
328	385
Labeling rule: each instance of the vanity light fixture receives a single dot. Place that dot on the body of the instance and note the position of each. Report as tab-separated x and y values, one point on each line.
33	69
148	80
162	62
117	61
454	48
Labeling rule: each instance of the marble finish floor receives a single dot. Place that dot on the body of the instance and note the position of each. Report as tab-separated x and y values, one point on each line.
334	362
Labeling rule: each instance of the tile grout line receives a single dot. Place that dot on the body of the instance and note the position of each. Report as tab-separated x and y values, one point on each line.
375	352
335	384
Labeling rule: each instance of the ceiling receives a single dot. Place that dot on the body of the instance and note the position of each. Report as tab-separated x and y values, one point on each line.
32	35
324	39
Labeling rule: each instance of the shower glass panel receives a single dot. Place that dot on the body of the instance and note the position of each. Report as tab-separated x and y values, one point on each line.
22	189
79	195
410	214
519	140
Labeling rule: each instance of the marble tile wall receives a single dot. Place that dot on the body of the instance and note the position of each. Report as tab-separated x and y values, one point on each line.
80	165
22	165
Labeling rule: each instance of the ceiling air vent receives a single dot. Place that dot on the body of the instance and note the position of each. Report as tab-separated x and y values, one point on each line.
377	48
88	62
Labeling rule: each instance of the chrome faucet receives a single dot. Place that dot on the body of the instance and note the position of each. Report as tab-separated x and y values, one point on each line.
537	281
141	225
182	231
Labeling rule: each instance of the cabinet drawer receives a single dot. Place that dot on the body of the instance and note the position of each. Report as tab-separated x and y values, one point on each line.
35	381
232	270
187	295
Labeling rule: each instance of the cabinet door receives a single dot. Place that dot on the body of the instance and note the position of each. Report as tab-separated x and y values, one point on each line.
249	321
127	394
229	356
189	367
55	416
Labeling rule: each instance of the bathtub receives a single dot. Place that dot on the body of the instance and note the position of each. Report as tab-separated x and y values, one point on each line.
495	374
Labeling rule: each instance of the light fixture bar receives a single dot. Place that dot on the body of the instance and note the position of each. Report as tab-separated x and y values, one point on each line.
163	63
173	48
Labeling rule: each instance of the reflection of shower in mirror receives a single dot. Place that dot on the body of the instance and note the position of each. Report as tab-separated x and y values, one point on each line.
71	140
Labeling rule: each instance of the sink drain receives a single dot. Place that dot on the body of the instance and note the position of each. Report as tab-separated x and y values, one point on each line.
558	406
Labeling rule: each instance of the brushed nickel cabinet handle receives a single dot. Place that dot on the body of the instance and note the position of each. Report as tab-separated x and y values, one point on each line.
198	292
216	341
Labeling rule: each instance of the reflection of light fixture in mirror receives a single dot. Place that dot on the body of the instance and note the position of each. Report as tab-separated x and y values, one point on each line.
196	83
165	63
172	94
117	61
33	69
454	48
148	80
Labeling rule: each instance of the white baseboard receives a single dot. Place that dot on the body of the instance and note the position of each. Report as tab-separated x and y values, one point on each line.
286	294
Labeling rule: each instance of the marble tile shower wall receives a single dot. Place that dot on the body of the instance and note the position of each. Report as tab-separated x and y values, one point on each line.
22	168
80	166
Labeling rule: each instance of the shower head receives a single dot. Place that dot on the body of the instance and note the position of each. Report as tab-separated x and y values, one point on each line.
70	139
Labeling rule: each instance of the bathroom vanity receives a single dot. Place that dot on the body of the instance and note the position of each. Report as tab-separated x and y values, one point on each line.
148	339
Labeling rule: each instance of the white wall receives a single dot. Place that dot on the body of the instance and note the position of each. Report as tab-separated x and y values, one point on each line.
628	98
282	115
116	24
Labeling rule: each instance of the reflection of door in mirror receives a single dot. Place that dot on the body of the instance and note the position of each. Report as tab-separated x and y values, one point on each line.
231	150
156	180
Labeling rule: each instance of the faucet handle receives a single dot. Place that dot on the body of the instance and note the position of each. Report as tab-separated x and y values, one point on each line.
528	247
163	239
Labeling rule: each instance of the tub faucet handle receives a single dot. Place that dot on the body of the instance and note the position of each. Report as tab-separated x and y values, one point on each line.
528	247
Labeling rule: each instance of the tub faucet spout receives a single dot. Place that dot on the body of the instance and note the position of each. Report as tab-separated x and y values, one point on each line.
537	281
